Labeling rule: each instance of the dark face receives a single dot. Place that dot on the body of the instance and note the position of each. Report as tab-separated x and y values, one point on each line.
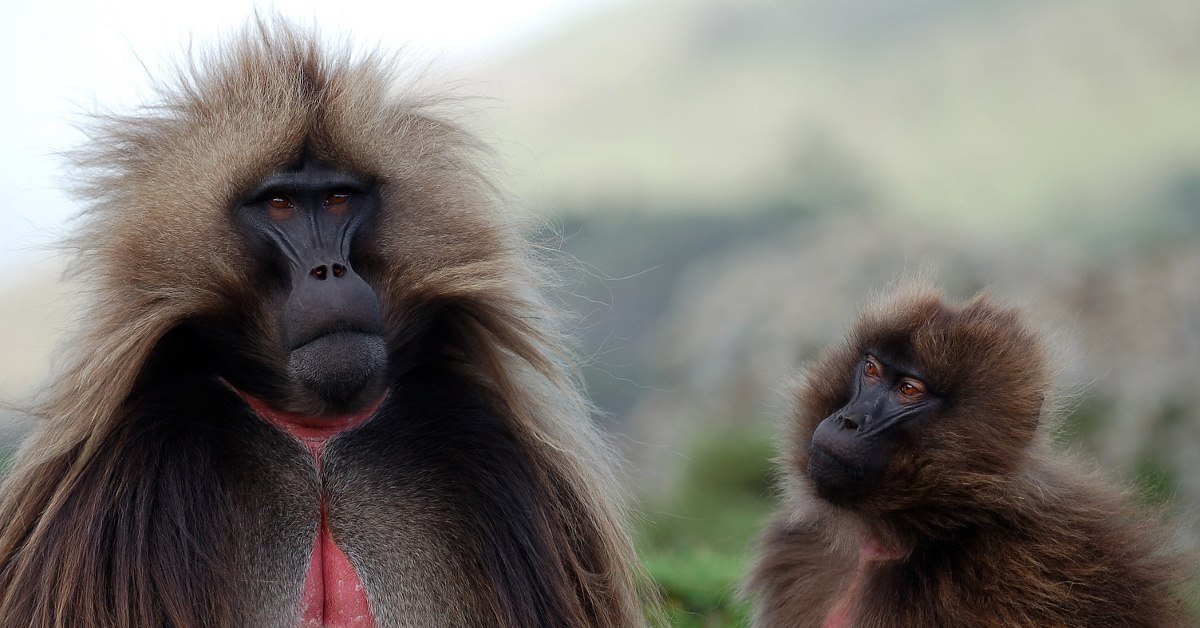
852	448
306	221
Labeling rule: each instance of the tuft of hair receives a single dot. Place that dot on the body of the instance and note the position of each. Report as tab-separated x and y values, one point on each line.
156	247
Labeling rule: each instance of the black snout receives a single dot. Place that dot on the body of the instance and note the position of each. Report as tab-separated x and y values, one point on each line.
845	462
329	298
333	331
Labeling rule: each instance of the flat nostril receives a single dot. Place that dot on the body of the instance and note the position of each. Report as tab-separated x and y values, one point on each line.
321	272
339	270
848	423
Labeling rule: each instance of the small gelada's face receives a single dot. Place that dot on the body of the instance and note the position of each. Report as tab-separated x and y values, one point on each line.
851	449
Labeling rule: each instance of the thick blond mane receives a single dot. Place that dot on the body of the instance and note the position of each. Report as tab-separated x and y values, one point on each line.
156	246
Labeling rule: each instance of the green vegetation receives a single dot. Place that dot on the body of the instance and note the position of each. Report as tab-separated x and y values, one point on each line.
696	544
1154	481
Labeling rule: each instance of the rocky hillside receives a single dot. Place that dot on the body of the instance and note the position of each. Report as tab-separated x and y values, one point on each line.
1022	115
1125	327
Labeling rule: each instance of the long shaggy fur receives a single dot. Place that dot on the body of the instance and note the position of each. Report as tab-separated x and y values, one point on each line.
983	525
102	525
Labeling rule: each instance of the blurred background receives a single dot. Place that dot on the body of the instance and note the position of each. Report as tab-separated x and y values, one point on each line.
728	181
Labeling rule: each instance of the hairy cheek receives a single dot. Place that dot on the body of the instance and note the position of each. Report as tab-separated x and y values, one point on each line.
906	470
800	457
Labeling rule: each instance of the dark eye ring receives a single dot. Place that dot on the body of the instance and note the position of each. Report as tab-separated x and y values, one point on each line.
871	369
911	389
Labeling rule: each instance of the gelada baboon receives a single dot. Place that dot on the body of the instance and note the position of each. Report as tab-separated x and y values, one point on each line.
920	491
317	384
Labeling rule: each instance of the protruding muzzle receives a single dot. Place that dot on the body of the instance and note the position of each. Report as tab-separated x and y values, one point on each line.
333	330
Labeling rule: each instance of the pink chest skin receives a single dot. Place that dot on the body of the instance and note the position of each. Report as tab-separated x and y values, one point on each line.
871	551
333	595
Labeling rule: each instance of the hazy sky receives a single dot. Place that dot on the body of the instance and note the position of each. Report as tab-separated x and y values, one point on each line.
62	58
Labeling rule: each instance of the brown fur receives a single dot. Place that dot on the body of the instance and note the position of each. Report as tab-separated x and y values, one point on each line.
109	521
983	524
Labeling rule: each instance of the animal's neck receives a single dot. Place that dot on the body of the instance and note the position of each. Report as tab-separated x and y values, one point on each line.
333	594
871	553
313	431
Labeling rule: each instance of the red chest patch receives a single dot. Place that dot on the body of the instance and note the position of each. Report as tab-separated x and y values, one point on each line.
870	553
333	595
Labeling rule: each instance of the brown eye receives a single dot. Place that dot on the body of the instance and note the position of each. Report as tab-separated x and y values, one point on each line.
280	207
912	390
872	368
336	203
